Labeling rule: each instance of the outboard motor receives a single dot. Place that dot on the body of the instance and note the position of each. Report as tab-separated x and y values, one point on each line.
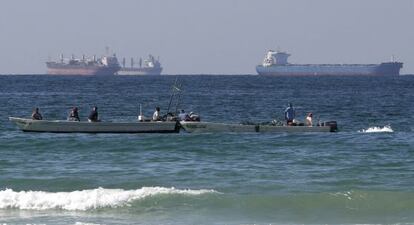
194	117
333	125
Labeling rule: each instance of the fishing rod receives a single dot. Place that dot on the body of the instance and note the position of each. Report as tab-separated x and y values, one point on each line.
178	99
172	95
175	90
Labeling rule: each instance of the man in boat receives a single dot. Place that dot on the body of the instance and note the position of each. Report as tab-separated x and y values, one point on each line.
309	120
156	116
74	115
36	114
183	116
290	114
93	116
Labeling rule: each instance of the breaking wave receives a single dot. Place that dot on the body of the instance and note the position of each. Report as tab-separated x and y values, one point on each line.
85	199
80	223
385	129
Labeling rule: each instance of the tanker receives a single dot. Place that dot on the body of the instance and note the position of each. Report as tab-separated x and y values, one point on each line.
106	65
276	63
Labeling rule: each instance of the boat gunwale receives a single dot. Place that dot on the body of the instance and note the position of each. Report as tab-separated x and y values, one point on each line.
254	128
25	125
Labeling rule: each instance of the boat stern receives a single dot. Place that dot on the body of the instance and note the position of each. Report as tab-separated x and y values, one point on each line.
332	124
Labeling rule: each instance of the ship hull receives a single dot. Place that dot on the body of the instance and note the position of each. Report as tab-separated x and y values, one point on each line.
383	69
140	71
81	70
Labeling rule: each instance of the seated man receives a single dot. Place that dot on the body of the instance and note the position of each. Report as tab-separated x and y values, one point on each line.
183	116
157	116
309	120
74	115
36	114
93	116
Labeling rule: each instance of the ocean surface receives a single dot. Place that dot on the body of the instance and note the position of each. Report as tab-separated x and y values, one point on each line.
363	174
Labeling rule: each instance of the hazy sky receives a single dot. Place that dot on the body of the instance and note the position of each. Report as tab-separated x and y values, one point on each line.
199	36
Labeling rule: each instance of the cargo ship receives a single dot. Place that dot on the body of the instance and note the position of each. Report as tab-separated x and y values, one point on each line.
149	66
276	63
106	65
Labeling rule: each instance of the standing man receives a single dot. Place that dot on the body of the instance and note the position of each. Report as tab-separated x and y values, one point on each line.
290	115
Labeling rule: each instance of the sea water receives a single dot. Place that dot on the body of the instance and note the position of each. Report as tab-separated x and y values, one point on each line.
363	174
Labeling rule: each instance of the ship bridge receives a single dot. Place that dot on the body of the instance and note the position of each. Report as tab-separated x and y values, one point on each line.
276	58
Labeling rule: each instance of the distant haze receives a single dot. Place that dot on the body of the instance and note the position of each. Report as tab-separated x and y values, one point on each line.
206	37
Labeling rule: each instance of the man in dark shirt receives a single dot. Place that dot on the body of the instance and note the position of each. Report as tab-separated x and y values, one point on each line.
290	115
36	115
93	116
74	115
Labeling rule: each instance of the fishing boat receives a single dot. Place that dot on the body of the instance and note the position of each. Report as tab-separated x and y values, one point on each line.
208	127
63	126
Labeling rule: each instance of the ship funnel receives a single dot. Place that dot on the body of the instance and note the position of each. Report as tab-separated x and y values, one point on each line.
83	57
123	62
94	58
132	62
61	58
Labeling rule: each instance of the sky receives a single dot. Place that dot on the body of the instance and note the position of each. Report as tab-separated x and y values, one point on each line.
206	37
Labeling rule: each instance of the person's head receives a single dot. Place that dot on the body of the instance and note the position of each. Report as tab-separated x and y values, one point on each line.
157	108
75	109
310	114
95	108
182	111
36	110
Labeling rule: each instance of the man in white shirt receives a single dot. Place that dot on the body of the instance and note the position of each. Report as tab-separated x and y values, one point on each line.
156	116
309	120
183	116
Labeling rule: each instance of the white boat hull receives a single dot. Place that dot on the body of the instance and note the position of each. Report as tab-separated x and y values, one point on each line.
206	127
61	126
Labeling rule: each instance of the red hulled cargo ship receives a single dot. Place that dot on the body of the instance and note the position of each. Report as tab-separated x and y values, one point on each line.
106	65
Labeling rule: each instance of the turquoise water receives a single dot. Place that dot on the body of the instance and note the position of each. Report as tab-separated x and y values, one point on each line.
363	174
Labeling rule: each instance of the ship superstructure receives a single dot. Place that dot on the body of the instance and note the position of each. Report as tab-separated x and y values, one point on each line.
106	65
149	66
276	63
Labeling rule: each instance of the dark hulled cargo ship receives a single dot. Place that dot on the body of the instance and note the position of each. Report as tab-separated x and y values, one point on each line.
106	65
276	63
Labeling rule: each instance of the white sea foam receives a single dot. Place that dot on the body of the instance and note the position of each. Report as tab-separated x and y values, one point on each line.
85	199
80	223
385	129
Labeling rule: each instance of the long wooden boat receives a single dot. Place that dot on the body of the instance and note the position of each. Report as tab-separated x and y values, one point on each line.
207	127
62	126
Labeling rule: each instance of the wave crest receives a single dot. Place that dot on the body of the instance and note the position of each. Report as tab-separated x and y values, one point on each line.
85	199
385	129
